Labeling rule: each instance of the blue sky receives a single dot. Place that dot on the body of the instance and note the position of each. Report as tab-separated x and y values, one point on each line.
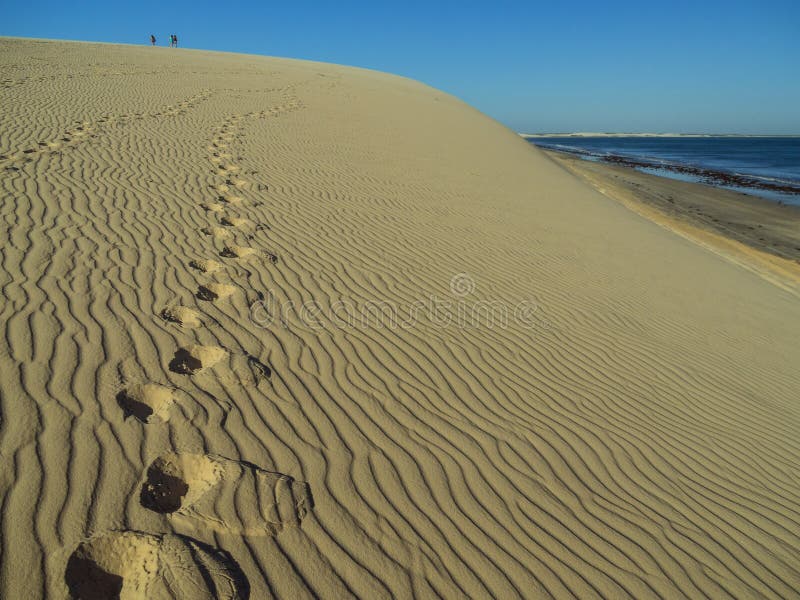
672	65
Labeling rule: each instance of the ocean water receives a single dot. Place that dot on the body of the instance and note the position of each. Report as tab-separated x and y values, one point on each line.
754	165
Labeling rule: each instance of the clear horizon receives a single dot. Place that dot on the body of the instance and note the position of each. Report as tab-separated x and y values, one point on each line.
716	68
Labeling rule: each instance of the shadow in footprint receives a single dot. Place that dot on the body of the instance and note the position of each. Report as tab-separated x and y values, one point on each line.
259	369
131	407
146	565
145	401
181	315
191	487
163	492
214	291
203	293
195	358
184	363
88	581
170	478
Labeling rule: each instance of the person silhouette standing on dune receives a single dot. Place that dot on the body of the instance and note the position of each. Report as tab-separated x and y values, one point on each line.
152	40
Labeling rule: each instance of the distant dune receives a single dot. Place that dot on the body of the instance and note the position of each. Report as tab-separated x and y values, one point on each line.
282	329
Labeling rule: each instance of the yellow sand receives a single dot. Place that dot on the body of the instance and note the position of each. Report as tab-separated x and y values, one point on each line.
611	409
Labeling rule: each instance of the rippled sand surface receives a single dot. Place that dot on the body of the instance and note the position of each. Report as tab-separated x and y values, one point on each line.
276	328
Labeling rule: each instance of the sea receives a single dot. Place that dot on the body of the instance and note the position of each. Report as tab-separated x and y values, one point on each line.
763	166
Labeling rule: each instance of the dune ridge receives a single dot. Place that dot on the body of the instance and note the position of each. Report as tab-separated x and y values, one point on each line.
492	380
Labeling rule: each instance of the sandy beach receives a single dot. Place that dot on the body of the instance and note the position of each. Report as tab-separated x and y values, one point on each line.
283	329
755	233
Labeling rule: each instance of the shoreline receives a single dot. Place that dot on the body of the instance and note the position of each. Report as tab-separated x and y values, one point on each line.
754	232
695	174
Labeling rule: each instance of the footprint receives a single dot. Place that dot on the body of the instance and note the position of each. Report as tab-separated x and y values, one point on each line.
214	291
132	565
227	495
212	207
144	401
258	369
195	358
234	221
238	183
237	251
231	199
205	265
176	480
217	232
182	315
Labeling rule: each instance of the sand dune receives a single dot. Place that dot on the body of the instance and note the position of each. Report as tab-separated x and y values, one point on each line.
421	361
756	234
